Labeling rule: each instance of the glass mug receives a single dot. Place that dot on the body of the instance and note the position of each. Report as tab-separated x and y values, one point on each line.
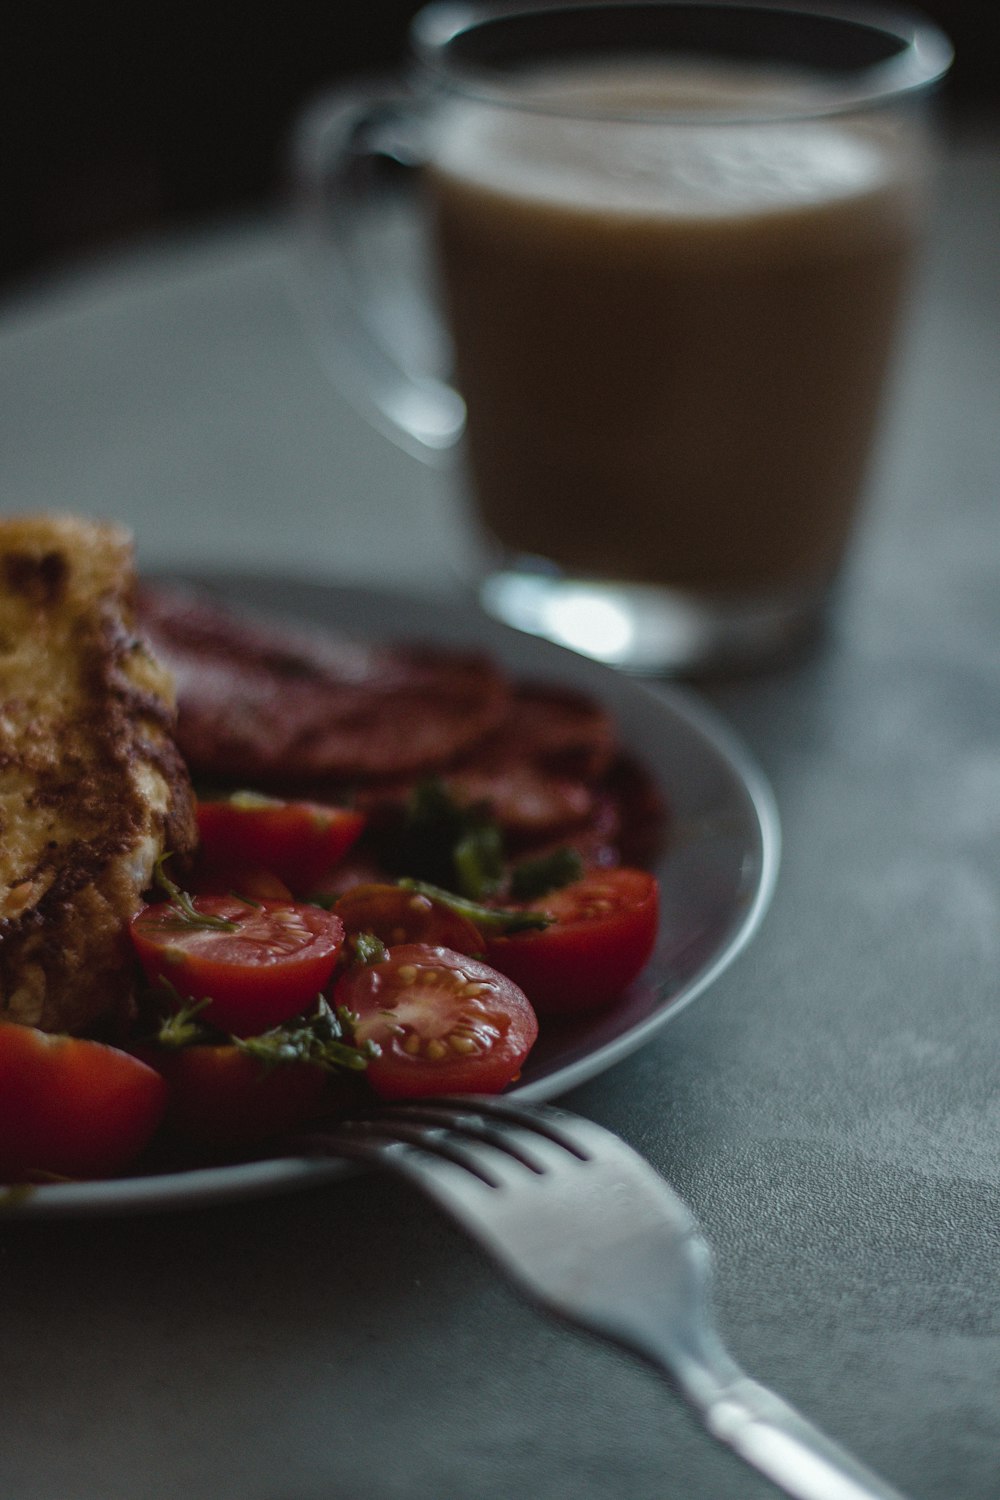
669	243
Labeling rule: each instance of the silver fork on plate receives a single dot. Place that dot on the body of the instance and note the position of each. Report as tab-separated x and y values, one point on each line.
591	1231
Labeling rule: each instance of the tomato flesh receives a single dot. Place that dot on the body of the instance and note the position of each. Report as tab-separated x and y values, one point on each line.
274	961
445	1023
398	916
72	1107
300	842
602	934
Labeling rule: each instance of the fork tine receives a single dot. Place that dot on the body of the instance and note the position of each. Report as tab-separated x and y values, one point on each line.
470	1119
475	1114
499	1151
547	1122
372	1139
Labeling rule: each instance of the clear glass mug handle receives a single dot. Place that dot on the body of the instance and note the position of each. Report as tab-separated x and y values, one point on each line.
364	272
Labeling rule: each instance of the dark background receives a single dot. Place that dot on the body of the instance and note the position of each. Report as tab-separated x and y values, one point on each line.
121	120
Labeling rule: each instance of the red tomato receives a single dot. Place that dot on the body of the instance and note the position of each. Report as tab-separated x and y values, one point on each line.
299	841
258	964
400	916
445	1023
71	1107
222	1097
603	933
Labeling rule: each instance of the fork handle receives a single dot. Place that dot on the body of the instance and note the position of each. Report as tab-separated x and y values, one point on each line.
776	1440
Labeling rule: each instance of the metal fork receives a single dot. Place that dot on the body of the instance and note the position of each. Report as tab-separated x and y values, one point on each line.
591	1231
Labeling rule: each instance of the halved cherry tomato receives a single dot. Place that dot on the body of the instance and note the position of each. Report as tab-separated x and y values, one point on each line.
445	1022
299	841
399	916
222	1097
602	934
257	963
72	1107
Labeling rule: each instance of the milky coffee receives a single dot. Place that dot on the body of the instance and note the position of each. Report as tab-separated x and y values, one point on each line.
671	338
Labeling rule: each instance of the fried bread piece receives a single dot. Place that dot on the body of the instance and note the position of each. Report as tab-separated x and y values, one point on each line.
92	787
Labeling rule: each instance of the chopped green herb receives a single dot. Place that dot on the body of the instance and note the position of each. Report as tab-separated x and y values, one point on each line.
478	861
324	1036
186	914
455	846
183	1028
491	920
367	949
533	878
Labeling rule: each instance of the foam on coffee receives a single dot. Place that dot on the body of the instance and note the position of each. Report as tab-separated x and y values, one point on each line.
653	167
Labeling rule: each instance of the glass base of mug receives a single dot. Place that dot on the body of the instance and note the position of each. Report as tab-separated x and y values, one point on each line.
649	630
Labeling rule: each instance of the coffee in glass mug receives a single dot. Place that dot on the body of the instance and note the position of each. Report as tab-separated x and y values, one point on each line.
672	243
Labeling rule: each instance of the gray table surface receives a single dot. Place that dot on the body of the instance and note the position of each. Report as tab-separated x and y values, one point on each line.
830	1108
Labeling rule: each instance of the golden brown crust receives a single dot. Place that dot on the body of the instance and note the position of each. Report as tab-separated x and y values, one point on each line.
92	788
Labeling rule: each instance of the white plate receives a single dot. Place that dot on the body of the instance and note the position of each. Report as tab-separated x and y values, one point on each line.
717	872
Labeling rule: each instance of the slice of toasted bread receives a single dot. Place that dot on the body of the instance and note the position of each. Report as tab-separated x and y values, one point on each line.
92	787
